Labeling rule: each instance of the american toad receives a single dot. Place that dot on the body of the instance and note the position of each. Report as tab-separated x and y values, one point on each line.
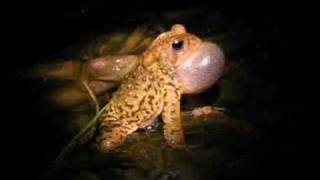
166	70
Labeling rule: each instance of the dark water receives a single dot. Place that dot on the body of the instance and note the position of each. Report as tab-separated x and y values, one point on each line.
257	40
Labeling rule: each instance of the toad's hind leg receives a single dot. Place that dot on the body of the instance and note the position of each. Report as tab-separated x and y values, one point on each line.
112	135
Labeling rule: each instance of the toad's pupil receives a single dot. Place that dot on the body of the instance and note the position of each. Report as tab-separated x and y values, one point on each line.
177	44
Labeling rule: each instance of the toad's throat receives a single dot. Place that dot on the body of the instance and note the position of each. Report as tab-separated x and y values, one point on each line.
202	69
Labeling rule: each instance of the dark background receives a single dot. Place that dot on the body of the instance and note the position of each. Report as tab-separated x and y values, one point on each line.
35	30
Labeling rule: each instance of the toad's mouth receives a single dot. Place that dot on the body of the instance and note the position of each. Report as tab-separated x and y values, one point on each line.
202	69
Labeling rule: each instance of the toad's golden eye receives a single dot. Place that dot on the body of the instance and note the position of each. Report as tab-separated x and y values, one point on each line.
177	44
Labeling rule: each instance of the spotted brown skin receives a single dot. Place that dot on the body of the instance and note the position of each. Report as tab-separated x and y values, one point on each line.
151	89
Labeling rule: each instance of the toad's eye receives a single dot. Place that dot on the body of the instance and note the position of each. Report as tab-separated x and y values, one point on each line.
177	44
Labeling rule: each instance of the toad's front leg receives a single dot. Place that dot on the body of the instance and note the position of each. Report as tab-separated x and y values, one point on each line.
173	131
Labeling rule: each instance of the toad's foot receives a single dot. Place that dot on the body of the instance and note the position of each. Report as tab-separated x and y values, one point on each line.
207	110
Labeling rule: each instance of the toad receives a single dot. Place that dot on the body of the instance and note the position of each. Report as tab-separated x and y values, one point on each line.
170	67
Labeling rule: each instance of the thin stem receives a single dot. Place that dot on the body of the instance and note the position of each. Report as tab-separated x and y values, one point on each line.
74	141
92	96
